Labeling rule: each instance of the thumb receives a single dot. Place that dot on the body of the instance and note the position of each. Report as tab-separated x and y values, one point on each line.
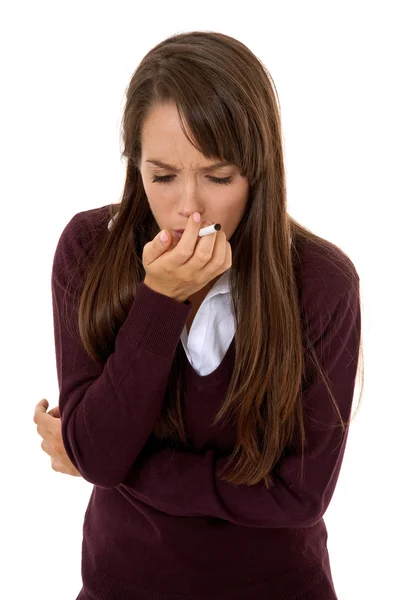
43	403
42	407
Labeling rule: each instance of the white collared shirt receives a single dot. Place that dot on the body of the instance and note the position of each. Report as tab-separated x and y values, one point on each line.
212	329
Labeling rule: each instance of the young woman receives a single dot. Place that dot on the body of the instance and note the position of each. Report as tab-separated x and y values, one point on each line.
157	340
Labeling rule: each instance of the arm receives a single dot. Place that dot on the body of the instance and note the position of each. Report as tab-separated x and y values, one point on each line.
184	484
108	412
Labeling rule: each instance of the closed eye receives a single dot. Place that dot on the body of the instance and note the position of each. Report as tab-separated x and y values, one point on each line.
167	178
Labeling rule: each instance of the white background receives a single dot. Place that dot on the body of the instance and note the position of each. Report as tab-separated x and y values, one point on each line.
65	67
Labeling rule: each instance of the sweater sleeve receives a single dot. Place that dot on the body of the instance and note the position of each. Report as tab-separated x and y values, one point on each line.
108	412
184	484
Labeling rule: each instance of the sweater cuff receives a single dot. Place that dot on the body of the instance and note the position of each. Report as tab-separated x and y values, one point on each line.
155	321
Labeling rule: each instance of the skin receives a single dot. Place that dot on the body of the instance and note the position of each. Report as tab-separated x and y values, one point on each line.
49	428
172	204
190	189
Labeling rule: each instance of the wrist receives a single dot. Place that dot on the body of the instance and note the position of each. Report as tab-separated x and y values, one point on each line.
163	292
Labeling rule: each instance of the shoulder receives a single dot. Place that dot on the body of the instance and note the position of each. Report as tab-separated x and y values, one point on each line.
79	239
86	224
326	278
324	267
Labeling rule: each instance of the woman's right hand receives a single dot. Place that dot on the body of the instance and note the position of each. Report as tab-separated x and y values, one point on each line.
190	265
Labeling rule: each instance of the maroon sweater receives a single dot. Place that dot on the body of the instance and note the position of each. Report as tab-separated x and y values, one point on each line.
160	524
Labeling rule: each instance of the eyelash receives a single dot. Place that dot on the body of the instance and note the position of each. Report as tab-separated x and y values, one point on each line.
167	178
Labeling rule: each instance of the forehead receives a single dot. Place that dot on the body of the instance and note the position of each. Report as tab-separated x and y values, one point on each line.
162	125
165	145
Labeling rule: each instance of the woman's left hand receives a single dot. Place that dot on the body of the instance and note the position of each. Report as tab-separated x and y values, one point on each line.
49	428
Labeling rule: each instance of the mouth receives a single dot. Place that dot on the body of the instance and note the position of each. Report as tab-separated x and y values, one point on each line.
179	232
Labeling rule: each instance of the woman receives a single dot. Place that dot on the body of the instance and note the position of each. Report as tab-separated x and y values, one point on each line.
156	341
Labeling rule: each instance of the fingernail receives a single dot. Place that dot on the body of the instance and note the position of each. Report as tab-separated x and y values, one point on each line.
163	236
196	217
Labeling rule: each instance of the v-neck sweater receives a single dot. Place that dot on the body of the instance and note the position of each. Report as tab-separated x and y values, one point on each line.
160	523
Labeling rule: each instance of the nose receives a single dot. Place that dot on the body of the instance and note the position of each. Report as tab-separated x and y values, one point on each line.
189	197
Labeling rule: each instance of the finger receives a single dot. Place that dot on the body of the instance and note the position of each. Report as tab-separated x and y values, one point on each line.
217	255
45	432
56	465
189	239
177	237
152	250
48	426
48	448
40	408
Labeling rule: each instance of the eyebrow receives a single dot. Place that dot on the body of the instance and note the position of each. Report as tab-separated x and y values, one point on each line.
164	165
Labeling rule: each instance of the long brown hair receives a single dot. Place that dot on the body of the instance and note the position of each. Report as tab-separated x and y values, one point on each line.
228	100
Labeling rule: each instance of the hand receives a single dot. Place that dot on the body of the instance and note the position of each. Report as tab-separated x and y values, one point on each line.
49	428
190	265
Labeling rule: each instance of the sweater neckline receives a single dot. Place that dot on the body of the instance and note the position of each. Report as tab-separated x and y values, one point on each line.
215	377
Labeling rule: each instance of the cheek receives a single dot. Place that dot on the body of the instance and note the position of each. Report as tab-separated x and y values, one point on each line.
233	203
160	194
157	198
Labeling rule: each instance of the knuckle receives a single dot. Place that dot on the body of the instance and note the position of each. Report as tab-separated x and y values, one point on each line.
218	262
226	265
205	255
223	263
183	253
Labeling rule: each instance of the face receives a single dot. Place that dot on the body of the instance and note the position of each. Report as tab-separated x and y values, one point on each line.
190	183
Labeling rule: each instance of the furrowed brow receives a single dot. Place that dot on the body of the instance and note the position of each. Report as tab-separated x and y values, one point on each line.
160	163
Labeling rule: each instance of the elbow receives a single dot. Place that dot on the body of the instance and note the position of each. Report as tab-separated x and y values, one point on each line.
314	514
101	478
310	513
90	466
